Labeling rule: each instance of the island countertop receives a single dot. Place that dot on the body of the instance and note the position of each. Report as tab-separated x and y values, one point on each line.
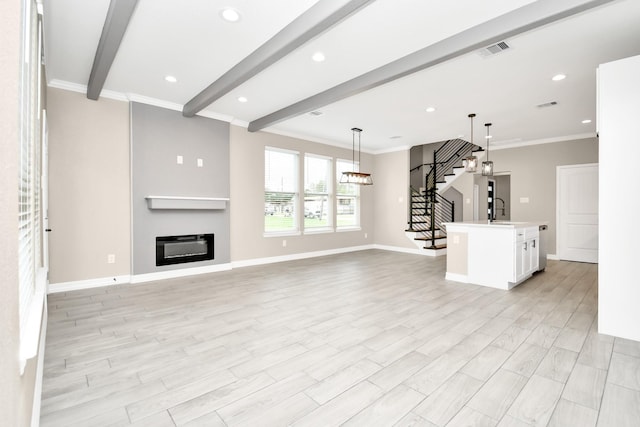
499	254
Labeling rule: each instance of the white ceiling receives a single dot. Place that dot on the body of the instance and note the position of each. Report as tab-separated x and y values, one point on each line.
189	40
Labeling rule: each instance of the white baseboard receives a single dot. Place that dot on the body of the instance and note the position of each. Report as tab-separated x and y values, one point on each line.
423	252
553	257
183	272
463	278
303	255
87	284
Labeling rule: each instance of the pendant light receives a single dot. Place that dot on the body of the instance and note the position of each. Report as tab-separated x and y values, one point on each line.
355	177
487	165
470	163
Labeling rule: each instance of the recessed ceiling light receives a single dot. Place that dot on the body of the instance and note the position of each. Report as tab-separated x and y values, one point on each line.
318	57
585	121
230	15
558	77
170	79
431	109
242	99
396	137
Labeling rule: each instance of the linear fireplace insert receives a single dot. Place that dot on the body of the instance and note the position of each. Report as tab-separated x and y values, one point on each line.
180	249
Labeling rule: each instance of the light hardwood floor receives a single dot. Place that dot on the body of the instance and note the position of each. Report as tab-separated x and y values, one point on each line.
371	338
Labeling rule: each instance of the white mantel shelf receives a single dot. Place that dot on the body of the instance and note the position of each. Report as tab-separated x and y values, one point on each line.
181	202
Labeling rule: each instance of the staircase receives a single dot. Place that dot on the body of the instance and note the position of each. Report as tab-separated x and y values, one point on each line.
428	208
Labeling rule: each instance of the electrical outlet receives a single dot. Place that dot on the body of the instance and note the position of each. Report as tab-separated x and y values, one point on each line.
284	243
111	259
200	163
179	160
366	235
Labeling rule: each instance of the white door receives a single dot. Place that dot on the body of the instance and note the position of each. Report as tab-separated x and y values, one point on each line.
577	202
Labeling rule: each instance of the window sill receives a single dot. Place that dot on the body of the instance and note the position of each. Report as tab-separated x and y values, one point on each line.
281	233
346	229
30	336
319	230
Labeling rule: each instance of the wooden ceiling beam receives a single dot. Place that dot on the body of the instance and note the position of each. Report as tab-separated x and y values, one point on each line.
115	25
316	20
526	18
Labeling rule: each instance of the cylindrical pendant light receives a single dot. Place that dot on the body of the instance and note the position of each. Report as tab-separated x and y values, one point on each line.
470	163
487	165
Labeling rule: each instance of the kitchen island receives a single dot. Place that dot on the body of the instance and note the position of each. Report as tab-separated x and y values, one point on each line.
497	254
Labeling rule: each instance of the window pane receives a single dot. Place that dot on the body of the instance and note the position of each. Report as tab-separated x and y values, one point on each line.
316	174
316	211
280	171
347	198
280	195
347	214
345	166
317	185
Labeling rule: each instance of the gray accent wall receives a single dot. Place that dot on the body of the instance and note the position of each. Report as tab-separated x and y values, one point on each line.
158	137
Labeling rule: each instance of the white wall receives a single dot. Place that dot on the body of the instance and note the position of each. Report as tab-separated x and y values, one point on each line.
89	187
618	124
16	392
391	190
533	177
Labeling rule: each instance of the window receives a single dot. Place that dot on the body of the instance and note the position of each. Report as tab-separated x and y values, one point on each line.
317	192
31	270
280	191
347	198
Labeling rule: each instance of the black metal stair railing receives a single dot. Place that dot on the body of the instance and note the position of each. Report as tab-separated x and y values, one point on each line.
430	209
426	216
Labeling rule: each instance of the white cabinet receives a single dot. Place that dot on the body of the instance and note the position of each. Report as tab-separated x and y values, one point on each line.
526	253
500	254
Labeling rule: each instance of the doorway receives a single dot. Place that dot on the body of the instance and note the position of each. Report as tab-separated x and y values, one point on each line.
492	197
577	201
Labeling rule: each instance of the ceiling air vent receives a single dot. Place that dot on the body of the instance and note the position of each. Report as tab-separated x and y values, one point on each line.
494	49
316	113
547	104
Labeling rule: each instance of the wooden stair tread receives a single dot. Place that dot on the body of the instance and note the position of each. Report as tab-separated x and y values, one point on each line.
443	246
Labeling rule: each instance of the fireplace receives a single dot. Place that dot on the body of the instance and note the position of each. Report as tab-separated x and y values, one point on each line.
181	249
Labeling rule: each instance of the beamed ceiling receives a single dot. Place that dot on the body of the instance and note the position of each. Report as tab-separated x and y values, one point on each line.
386	62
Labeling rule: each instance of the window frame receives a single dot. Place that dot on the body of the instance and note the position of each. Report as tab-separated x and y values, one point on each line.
31	264
295	229
329	194
356	195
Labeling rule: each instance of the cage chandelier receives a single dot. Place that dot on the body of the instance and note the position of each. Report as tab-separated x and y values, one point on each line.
355	176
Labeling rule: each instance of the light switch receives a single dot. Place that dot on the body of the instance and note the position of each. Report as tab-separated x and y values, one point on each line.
468	201
524	200
200	163
179	160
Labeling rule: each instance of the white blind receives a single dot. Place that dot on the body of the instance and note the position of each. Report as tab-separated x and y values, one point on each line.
29	229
